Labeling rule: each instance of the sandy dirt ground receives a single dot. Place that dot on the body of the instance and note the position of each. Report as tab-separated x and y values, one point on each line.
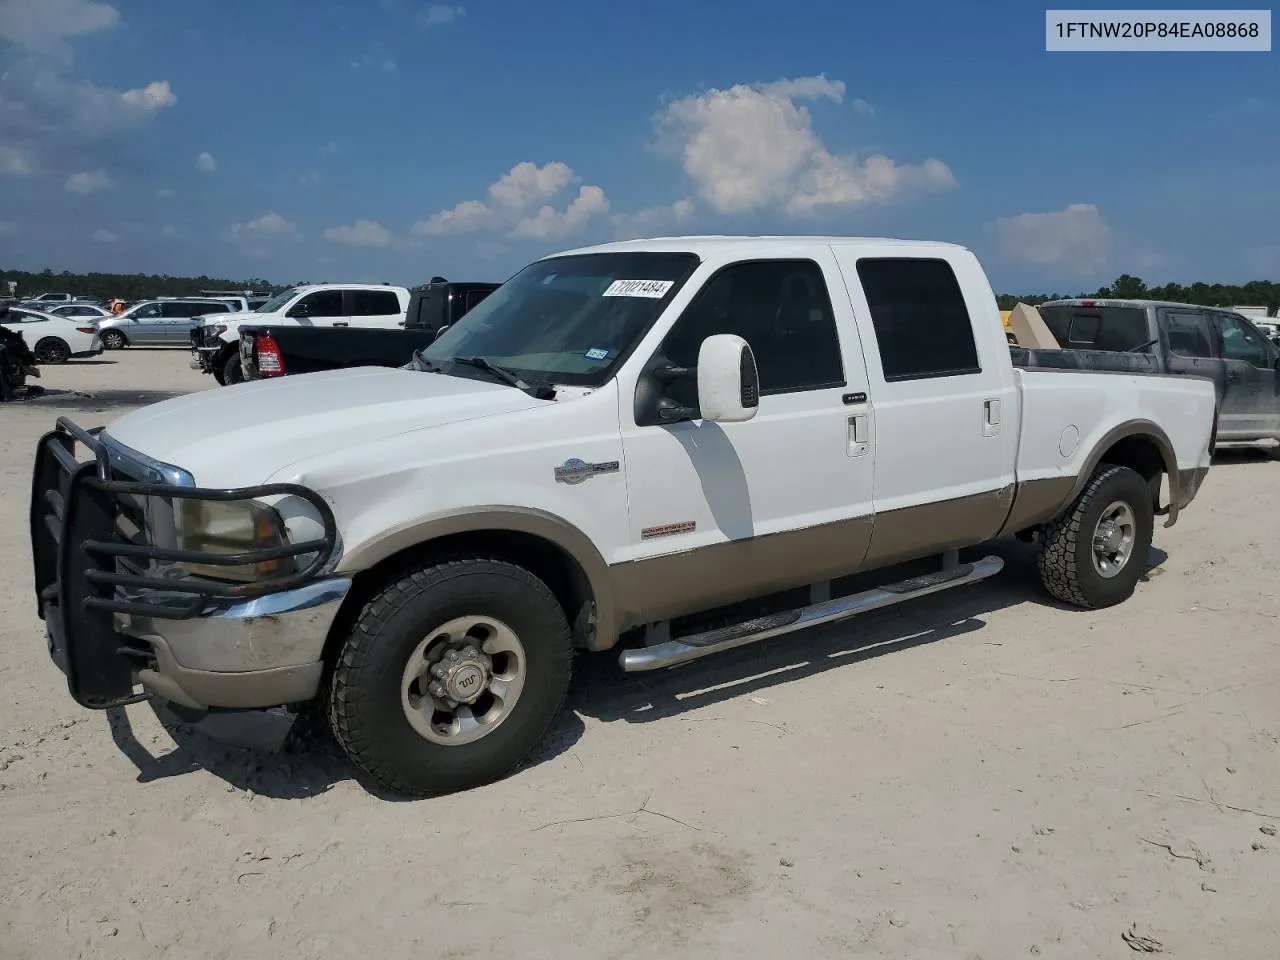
981	774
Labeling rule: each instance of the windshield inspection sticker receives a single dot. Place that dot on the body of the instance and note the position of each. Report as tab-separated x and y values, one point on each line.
597	353
653	289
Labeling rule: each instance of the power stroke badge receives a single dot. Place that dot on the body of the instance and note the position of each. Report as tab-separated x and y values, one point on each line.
575	471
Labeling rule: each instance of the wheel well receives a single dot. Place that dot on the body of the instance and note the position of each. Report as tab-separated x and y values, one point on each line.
1142	455
544	559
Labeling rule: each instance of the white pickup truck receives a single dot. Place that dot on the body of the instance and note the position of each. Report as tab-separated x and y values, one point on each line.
215	345
670	446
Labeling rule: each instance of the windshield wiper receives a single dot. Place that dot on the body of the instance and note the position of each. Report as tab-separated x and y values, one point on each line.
539	390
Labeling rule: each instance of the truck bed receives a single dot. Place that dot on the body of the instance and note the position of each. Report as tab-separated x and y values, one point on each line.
1093	361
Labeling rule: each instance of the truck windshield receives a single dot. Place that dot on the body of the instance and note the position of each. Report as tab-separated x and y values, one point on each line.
276	302
1077	327
568	320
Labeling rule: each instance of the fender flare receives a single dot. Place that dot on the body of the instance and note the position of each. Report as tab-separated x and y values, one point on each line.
502	518
1135	429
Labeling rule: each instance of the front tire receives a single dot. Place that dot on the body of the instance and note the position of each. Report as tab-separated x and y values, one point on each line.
1093	555
114	340
232	371
450	676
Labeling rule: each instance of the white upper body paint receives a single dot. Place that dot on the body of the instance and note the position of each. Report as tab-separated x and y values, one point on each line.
391	449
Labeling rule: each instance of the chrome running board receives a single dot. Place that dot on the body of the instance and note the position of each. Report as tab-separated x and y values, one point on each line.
674	652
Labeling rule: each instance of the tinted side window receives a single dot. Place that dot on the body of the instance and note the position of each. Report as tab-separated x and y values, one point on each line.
373	303
475	296
322	303
1188	332
781	308
1098	328
1241	342
150	311
920	318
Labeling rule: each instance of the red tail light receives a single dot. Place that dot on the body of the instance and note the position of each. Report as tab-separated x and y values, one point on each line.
89	330
270	362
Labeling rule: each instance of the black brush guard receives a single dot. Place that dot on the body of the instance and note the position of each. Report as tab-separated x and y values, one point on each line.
87	569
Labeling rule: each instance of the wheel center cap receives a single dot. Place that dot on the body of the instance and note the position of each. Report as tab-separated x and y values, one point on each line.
466	680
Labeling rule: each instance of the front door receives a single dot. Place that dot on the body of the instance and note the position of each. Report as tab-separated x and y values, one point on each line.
947	414
323	308
1251	404
721	512
147	326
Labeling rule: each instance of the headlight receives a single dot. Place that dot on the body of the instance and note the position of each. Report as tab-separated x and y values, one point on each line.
228	527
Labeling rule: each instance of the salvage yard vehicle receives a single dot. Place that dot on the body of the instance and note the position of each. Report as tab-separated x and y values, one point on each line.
669	447
54	339
1182	338
215	347
275	351
159	323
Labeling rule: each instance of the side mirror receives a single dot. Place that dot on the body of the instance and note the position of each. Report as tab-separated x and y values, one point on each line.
728	382
300	311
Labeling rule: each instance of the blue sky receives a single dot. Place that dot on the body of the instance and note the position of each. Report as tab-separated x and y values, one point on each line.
395	139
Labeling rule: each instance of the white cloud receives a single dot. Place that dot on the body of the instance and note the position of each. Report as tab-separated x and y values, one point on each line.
362	233
105	236
549	222
1076	237
753	146
164	192
44	26
256	237
90	181
8	228
438	14
641	223
14	162
47	112
206	163
514	195
331	149
169	230
154	96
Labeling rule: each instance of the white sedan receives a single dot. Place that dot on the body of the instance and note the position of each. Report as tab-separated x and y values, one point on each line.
53	339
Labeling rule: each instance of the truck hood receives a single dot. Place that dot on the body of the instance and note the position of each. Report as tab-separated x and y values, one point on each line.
241	435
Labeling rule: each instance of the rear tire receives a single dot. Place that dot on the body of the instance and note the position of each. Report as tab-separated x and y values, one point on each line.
232	371
52	350
114	340
415	643
1093	555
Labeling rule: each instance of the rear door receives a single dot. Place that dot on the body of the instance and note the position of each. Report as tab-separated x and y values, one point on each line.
946	404
374	308
1190	345
1251	404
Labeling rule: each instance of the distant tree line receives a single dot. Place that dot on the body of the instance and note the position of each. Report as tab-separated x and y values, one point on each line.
126	286
1255	293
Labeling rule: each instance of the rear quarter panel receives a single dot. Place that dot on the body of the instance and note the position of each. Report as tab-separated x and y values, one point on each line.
1066	416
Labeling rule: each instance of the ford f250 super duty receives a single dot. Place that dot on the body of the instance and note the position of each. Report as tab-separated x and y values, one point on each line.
672	447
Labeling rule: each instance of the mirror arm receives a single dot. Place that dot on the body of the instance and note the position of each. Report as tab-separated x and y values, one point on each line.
670	373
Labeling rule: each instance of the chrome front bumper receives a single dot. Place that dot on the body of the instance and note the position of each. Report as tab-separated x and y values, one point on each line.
262	652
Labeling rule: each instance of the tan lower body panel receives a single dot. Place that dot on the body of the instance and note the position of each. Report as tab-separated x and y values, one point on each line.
660	588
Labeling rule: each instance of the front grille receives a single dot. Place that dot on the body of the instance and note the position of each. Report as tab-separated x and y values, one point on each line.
103	544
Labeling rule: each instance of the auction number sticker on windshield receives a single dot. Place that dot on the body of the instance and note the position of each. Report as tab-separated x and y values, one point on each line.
653	289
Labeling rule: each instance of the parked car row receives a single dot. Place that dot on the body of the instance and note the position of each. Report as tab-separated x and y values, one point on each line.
53	339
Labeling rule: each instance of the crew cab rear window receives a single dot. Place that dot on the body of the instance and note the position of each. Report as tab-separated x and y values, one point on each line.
1117	329
374	303
920	318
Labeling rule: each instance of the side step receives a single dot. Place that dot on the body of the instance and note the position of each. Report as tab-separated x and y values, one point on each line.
674	652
